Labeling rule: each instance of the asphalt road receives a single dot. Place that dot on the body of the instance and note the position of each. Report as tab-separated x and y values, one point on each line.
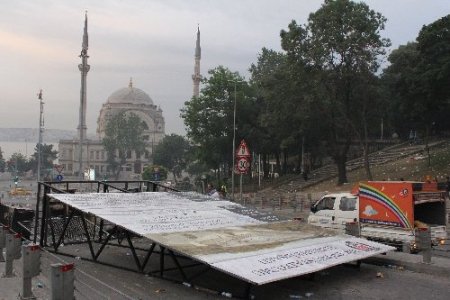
342	282
94	281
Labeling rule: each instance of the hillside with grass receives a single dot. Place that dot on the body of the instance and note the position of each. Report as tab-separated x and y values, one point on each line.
412	168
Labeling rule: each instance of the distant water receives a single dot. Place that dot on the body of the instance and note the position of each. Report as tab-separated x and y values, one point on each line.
24	148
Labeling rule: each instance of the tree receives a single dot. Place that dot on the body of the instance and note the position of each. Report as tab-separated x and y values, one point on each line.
172	153
417	81
340	47
154	173
123	134
284	123
399	81
209	117
17	164
48	156
433	73
413	99
278	121
2	161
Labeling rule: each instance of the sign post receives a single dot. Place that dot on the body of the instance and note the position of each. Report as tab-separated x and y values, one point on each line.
243	163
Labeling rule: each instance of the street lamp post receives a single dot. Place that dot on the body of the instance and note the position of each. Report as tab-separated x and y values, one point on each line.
41	129
234	143
234	139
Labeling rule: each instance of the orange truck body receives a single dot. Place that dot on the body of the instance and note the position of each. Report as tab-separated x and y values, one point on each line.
395	203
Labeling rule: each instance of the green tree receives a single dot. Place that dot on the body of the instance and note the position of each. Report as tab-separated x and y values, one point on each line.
209	117
123	134
399	81
433	74
284	122
17	164
48	156
340	47
275	109
173	153
154	173
417	81
2	161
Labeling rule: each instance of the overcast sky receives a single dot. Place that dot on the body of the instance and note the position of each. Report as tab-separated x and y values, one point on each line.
151	41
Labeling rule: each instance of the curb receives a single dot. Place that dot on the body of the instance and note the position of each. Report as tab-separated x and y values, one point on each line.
419	267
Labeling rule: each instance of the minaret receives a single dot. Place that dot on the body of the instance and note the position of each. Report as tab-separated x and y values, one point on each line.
196	77
84	69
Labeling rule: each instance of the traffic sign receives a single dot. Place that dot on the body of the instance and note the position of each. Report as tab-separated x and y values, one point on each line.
58	168
242	165
59	177
242	150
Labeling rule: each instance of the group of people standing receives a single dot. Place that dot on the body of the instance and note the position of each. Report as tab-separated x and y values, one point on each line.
216	193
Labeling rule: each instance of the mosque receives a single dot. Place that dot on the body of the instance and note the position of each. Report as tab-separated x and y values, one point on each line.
129	99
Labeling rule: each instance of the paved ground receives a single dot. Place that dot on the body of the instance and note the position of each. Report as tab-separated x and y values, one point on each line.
400	276
383	273
395	275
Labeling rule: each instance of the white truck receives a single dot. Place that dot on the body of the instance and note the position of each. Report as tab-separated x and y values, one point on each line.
386	211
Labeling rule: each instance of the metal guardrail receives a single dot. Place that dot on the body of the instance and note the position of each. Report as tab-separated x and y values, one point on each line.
86	285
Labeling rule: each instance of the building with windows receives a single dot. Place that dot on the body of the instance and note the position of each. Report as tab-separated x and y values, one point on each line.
131	100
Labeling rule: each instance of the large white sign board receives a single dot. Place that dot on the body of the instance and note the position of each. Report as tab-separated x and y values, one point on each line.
243	242
157	212
282	264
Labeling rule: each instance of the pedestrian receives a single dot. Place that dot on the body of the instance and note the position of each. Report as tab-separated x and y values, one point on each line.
211	191
447	186
305	175
223	190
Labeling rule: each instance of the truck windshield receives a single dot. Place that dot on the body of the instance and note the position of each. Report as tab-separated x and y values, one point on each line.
325	203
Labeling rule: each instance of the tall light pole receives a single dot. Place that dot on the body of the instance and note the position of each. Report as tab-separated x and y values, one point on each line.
41	130
234	139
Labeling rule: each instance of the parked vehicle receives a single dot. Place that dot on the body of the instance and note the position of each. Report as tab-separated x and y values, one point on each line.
19	192
386	211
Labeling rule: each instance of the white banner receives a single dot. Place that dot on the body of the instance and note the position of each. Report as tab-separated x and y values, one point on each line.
282	264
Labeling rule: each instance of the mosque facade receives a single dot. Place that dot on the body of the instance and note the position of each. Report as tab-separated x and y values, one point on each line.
129	100
92	159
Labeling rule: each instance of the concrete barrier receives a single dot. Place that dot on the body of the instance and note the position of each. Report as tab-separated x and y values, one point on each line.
31	267
62	281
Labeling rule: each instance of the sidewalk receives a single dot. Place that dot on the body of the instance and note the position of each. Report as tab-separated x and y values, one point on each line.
413	262
11	288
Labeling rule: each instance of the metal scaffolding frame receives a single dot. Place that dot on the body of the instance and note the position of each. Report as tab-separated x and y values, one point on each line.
190	230
44	229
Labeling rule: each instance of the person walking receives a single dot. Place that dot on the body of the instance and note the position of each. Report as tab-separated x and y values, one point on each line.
447	186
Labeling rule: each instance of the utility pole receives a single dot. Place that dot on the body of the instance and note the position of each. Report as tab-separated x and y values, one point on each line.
302	167
84	69
41	131
234	137
234	143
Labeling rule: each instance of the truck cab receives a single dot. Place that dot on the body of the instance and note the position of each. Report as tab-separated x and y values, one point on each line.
334	211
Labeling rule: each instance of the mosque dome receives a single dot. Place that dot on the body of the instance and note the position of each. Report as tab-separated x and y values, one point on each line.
130	95
136	101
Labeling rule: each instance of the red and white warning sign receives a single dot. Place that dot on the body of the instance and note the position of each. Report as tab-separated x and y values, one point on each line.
242	158
242	165
242	150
